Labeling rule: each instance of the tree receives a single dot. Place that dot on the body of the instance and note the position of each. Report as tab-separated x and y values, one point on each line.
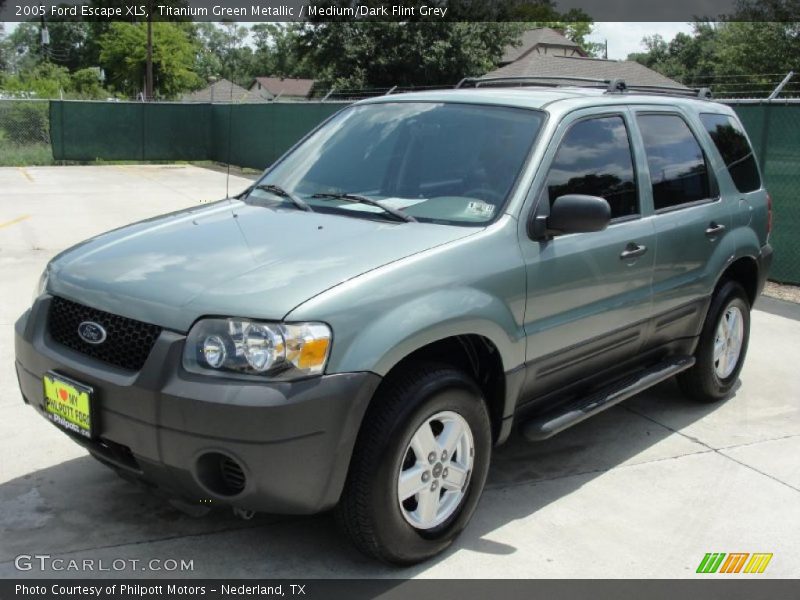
354	54
3	53
87	84
278	50
223	52
367	52
760	53
70	45
45	80
735	56
691	59
766	10
123	51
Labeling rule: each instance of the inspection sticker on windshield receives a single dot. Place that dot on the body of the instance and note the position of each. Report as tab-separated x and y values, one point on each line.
480	209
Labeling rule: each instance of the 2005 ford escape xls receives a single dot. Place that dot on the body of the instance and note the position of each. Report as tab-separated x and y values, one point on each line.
422	272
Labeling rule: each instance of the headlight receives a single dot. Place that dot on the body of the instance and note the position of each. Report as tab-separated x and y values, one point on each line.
276	350
42	285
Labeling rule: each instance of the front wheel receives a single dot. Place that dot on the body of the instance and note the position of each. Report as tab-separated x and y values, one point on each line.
722	346
419	465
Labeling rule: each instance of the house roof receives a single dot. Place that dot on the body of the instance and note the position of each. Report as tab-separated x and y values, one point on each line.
219	91
284	86
564	66
544	36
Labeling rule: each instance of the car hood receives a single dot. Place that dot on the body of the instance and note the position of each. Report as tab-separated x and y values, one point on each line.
231	259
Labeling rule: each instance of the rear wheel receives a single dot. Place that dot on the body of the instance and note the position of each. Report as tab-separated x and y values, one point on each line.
419	465
722	346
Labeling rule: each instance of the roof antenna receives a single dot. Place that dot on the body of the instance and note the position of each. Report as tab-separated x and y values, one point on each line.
230	142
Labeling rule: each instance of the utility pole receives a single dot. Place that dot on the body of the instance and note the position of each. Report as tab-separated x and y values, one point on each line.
45	35
148	77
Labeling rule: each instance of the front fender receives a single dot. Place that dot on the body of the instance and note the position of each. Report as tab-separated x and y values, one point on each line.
474	285
384	342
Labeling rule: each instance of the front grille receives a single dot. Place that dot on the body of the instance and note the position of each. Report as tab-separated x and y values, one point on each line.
128	342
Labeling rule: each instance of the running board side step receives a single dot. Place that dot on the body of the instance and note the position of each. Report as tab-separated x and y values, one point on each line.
555	421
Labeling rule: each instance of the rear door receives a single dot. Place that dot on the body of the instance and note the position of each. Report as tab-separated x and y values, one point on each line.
692	222
588	300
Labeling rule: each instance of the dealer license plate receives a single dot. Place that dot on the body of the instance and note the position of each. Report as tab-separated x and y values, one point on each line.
68	404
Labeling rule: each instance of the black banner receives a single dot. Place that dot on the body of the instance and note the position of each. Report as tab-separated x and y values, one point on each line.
395	589
399	10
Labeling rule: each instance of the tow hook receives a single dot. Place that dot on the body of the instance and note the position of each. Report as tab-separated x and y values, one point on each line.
243	513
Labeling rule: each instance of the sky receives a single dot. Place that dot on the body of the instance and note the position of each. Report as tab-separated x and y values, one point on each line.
625	38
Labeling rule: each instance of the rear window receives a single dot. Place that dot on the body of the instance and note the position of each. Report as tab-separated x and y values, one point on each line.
678	170
735	150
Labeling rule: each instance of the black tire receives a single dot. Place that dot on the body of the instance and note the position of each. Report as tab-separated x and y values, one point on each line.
701	382
369	511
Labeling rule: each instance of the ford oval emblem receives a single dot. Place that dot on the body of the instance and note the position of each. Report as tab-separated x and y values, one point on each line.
91	332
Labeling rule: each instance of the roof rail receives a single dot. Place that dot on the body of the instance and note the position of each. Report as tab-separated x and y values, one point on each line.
521	79
672	90
611	86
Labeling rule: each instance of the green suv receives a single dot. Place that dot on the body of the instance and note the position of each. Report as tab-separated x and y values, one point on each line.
416	277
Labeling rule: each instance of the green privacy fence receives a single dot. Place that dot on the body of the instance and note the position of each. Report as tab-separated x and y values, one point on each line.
254	135
774	129
130	131
247	135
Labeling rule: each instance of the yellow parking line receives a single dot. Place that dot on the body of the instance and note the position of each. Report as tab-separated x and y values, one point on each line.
13	221
27	175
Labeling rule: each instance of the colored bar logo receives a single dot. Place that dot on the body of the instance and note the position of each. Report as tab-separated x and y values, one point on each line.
735	562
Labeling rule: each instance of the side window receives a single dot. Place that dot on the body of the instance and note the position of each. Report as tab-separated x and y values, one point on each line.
678	169
594	158
735	150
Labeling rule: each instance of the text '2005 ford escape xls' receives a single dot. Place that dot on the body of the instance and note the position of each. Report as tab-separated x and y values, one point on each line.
362	325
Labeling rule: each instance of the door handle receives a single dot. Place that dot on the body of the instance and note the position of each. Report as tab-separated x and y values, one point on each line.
633	250
714	229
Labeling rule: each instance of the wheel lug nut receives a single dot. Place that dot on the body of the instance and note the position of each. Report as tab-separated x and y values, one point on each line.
434	485
426	475
444	473
432	457
444	454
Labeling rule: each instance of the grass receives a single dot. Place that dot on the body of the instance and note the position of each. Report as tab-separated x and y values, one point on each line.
28	155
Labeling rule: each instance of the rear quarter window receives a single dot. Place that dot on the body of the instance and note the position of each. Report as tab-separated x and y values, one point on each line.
731	141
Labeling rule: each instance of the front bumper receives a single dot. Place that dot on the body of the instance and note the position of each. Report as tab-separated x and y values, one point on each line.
292	440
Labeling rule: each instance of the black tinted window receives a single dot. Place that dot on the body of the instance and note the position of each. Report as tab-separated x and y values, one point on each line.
732	144
677	165
595	159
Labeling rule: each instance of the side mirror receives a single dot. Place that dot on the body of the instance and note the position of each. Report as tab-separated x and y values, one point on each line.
573	213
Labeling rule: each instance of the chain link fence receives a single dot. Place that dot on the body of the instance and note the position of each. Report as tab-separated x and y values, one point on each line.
25	133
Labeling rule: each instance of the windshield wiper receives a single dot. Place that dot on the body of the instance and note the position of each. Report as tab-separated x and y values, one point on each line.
279	191
369	201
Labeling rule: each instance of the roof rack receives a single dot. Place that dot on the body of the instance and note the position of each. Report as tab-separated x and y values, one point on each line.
611	86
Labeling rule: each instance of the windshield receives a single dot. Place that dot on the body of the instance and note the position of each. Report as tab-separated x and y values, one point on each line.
436	162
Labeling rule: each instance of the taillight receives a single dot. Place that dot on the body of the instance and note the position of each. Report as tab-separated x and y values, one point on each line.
769	214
